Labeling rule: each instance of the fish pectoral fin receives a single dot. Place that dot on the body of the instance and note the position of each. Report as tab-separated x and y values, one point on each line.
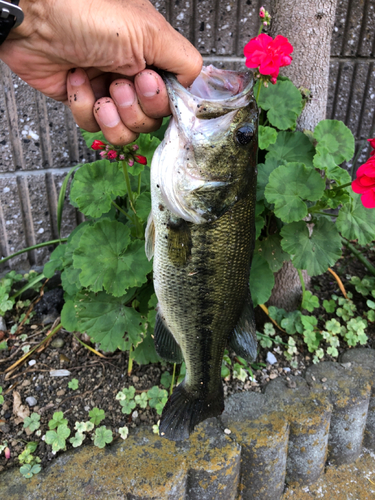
150	237
165	344
243	339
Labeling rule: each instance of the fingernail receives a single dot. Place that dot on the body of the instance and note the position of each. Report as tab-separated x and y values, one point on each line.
147	85
107	114
123	94
77	78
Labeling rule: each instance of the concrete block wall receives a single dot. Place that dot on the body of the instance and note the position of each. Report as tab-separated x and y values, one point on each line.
39	142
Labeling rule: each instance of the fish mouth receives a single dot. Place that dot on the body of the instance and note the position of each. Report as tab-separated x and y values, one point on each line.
215	92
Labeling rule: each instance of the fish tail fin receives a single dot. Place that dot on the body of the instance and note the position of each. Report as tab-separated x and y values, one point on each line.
184	410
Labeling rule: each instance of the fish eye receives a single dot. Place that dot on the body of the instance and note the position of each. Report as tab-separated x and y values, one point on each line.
244	134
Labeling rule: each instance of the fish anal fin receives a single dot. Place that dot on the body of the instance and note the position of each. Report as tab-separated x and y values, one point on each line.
185	409
150	237
165	344
243	339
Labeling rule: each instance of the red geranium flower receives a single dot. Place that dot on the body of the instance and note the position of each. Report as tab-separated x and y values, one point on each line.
364	184
111	155
140	159
268	55
372	144
96	145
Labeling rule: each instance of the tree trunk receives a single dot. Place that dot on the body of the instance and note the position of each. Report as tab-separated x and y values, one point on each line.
308	25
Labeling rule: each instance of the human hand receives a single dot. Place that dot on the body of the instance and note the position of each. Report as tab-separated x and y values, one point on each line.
106	40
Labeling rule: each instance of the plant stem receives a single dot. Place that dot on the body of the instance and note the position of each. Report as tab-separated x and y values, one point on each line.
29	285
130	365
336	188
302	283
139	184
359	256
128	187
28	249
172	382
120	209
258	92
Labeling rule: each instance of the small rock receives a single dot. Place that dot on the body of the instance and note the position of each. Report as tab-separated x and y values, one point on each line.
271	358
3	325
32	362
324	379
346	365
291	384
31	401
134	415
227	431
59	373
57	342
25	383
287	369
312	376
60	393
33	327
87	408
273	376
135	379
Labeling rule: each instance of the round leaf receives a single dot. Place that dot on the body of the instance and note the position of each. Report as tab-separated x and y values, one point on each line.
292	147
315	253
283	102
118	265
264	171
289	185
270	249
95	185
262	280
336	137
108	321
266	136
355	222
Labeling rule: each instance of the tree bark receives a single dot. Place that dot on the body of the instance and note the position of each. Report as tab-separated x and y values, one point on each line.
308	25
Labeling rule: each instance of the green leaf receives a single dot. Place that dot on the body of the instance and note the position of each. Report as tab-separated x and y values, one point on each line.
270	249
70	280
102	436
157	398
57	438
292	147
355	222
29	470
329	306
323	160
147	145
310	301
96	416
120	264
141	399
159	134
289	185
32	422
73	384
143	206
55	262
315	253
264	171
262	280
57	420
68	317
90	137
96	185
337	138
127	406
283	102
266	136
259	225
166	380
145	352
77	439
109	321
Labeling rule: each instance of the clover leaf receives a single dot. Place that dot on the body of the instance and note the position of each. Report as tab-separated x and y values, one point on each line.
283	102
292	147
336	137
270	249
157	398
109	321
266	136
73	384
262	280
355	222
77	439
309	301
96	416
315	253
123	431
32	422
127	406
102	436
58	438
120	264
29	471
166	380
57	420
287	187
141	399
96	185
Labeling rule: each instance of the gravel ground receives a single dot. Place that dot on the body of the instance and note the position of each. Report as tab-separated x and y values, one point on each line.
100	379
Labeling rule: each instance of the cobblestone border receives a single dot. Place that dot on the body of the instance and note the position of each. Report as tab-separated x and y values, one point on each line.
261	441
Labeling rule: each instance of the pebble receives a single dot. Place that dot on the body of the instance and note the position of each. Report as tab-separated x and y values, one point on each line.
86	408
324	379
273	376
31	401
227	431
60	393
271	358
287	369
32	362
134	415
57	342
59	373
3	325
25	383
135	379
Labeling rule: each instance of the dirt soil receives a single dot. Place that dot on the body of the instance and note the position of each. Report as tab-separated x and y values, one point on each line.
100	379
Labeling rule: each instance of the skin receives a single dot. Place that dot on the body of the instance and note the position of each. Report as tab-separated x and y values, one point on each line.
94	55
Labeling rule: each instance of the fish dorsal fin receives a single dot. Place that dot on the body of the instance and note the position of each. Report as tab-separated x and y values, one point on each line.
150	237
165	344
243	339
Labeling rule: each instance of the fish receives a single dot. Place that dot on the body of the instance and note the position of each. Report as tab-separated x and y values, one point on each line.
201	234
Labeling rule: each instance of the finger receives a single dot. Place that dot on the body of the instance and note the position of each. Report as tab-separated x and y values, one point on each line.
81	99
152	94
109	120
125	97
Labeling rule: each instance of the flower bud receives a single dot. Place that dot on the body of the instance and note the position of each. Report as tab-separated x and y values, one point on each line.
103	154
140	159
121	157
96	145
135	147
273	80
262	12
265	23
131	163
7	453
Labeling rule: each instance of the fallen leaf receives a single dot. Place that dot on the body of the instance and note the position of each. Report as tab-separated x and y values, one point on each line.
19	410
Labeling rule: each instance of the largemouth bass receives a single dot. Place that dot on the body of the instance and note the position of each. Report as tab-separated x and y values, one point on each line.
201	233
